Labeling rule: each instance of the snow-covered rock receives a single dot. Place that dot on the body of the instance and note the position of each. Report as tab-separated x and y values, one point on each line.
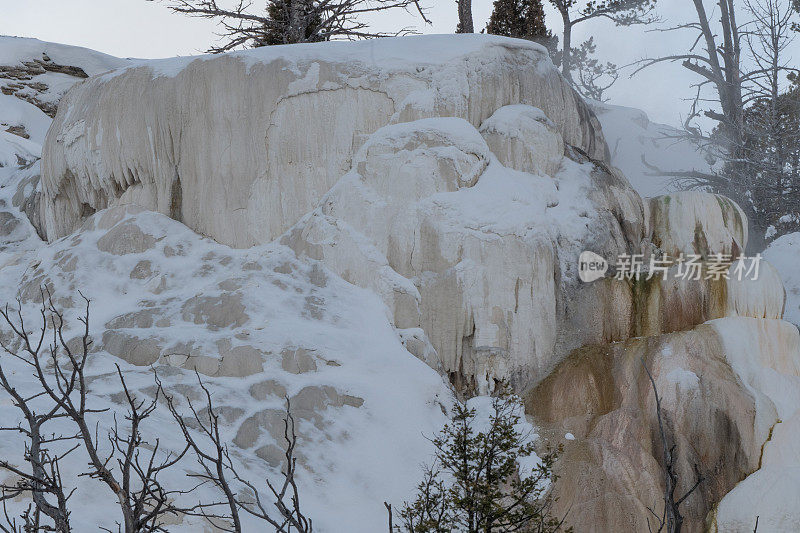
784	254
153	134
523	138
693	222
424	219
468	227
259	325
34	75
758	297
392	207
474	253
772	375
770	494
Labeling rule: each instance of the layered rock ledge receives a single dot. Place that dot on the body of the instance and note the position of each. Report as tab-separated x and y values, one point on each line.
460	189
240	146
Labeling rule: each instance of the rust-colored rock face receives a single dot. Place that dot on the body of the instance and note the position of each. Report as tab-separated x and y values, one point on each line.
718	411
601	395
709	341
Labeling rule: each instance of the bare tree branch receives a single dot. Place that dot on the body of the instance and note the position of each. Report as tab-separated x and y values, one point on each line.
671	520
293	21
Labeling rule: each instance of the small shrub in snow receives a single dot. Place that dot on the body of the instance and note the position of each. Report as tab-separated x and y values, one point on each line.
478	482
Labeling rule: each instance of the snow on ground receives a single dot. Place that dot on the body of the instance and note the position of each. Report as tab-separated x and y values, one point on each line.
22	60
15	150
15	50
262	324
258	324
390	52
635	143
17	112
784	254
364	404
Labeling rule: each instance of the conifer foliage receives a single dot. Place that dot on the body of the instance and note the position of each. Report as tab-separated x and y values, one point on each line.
478	483
523	19
280	13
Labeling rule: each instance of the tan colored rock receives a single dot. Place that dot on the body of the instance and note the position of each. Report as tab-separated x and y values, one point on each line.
694	222
610	473
142	270
144	318
241	361
8	224
217	312
266	389
250	431
135	350
125	239
720	406
297	361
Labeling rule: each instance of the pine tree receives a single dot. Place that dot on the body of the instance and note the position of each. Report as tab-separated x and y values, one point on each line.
772	160
280	31
523	19
477	485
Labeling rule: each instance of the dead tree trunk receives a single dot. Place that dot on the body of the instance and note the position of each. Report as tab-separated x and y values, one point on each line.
465	24
671	519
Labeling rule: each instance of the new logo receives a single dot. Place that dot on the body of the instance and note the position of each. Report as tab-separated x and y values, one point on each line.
591	266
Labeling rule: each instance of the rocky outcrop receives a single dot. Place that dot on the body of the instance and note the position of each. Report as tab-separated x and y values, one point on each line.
292	118
724	383
460	190
468	227
465	248
38	74
697	223
523	138
19	82
717	408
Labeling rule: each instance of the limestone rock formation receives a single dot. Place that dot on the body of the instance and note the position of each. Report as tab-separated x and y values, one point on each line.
424	211
293	119
388	205
523	138
428	217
